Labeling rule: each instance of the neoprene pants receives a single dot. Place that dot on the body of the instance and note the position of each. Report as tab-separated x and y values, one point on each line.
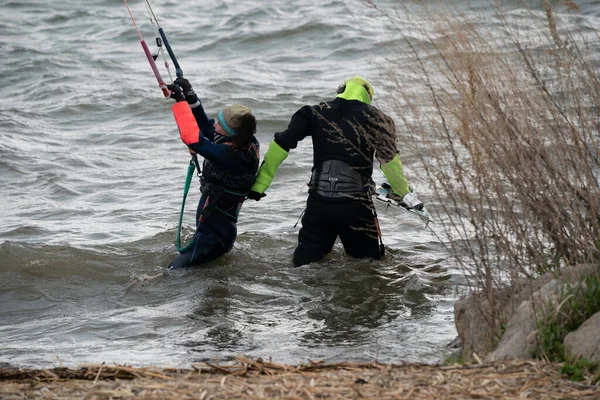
353	221
214	237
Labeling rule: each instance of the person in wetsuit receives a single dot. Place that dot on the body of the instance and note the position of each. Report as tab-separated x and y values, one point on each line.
231	158
347	132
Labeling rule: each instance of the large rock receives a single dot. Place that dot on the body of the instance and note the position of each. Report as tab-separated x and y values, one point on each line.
585	342
520	339
473	318
473	321
478	328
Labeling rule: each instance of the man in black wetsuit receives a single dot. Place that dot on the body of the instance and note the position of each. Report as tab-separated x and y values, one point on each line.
347	133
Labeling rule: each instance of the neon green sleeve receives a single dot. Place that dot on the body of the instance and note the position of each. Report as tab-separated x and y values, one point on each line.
273	159
394	173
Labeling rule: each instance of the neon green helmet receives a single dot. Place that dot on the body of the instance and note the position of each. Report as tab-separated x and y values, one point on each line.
356	88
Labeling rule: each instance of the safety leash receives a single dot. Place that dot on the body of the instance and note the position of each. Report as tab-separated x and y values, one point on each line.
381	246
186	188
299	218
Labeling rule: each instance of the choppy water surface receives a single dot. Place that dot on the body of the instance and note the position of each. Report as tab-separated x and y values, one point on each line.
91	177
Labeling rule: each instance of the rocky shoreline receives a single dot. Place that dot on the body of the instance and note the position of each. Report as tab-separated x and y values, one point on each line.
511	331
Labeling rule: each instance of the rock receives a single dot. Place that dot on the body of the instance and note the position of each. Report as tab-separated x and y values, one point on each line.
472	316
519	339
471	324
454	344
585	342
477	329
516	341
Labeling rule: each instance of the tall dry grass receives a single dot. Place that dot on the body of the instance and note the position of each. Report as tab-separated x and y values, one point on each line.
507	131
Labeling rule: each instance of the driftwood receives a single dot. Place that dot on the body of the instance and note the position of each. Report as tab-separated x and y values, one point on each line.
259	379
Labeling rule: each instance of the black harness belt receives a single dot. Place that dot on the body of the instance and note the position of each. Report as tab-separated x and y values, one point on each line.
337	179
223	199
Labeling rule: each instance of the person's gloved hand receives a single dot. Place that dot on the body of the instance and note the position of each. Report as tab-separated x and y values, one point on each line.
188	90
411	201
176	93
255	195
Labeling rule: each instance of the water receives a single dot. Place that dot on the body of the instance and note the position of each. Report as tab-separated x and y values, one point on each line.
91	178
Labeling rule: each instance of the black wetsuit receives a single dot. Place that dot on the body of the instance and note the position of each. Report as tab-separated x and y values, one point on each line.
228	172
346	135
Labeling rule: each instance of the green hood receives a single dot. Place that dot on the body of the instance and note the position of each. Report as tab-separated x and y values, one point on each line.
357	89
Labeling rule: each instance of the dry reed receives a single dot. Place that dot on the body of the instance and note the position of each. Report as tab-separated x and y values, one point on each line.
506	125
257	379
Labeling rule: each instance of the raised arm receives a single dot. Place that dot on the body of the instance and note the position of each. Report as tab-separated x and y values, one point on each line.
193	137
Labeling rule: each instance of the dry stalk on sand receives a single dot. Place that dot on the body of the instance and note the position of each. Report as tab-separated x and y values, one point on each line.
257	379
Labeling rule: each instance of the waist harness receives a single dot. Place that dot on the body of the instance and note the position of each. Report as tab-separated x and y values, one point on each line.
337	179
222	199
